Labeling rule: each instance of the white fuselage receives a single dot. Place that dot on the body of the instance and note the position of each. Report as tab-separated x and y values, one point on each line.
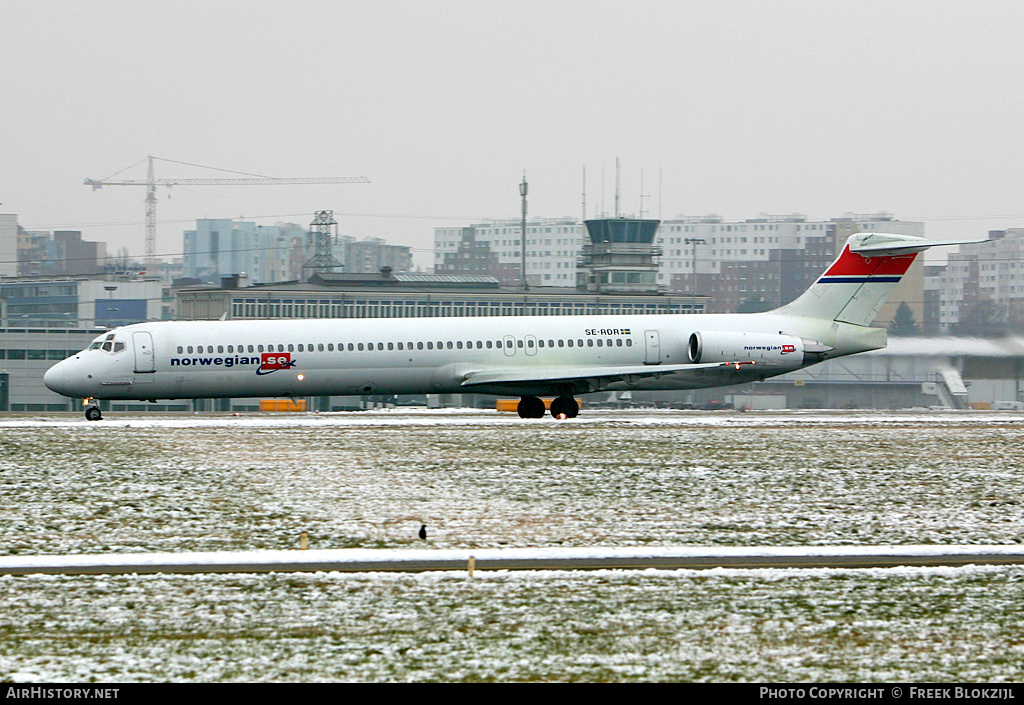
326	357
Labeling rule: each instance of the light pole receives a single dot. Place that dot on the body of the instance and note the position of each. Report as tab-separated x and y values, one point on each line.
110	289
694	241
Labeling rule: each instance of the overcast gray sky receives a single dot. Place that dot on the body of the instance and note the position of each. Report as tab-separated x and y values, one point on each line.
913	107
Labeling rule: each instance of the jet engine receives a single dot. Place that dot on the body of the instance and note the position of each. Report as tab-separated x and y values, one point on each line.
760	348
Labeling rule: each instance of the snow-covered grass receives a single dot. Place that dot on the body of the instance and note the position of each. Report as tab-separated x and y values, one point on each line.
370	480
488	480
723	625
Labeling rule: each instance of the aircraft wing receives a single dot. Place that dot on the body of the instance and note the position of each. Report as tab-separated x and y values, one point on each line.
589	379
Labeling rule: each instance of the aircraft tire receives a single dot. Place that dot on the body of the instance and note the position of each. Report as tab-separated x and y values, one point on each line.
93	414
530	408
565	405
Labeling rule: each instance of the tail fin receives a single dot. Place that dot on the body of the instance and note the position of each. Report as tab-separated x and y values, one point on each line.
860	281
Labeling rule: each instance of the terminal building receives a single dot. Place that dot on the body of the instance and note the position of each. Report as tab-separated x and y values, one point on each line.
390	295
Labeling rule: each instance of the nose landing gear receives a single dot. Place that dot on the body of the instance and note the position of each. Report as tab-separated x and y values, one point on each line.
92	411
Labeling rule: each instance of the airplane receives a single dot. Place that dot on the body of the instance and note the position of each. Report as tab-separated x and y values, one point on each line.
529	357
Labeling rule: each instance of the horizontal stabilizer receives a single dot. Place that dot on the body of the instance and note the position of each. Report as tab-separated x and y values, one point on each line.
882	244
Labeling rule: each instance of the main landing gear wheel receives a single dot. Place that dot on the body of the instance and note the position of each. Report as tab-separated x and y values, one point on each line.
531	408
92	413
566	406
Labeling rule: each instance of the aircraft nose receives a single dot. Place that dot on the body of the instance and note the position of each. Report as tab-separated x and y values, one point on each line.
56	378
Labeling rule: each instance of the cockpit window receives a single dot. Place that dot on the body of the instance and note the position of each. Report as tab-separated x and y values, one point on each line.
108	344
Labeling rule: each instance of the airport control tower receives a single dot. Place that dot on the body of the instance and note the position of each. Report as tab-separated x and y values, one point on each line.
620	258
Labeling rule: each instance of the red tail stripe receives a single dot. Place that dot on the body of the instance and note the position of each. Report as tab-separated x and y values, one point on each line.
851	264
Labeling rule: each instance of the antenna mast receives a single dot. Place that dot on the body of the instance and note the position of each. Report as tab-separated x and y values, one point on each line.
323	260
523	187
616	187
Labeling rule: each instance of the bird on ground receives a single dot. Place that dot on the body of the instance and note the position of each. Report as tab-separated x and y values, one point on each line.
423	531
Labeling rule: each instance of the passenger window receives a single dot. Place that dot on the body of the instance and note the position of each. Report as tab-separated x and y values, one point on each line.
570	342
250	349
489	344
590	342
519	343
300	347
629	342
180	350
391	346
220	348
380	346
189	349
618	342
350	347
459	345
360	347
430	345
419	346
540	343
479	345
450	346
600	343
291	348
561	343
551	343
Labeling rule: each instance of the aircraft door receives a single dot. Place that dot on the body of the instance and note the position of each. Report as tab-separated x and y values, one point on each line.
510	345
653	347
143	344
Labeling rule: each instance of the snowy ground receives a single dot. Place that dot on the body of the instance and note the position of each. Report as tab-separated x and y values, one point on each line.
486	480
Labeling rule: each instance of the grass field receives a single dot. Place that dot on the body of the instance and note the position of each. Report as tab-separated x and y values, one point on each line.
483	479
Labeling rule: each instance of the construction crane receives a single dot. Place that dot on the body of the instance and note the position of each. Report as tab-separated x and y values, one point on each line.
250	180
